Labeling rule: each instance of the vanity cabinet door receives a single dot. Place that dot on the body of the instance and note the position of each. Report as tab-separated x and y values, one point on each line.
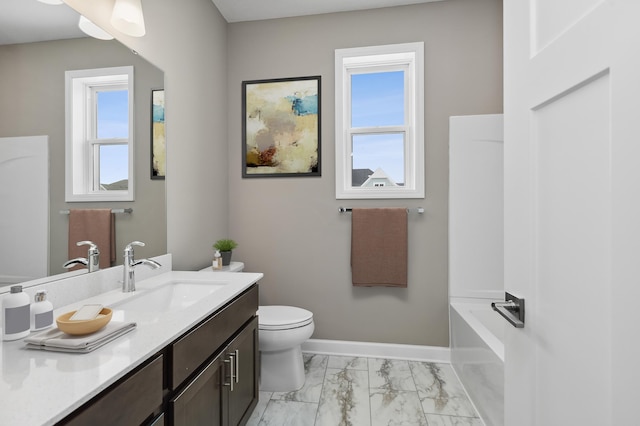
225	392
194	348
201	402
244	352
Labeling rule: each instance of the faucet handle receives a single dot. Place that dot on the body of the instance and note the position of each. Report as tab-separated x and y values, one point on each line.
133	243
91	244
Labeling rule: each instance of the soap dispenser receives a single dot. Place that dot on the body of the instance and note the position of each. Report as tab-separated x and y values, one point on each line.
41	312
217	260
15	314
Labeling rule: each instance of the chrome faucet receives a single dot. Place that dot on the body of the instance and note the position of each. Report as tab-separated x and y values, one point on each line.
129	279
92	261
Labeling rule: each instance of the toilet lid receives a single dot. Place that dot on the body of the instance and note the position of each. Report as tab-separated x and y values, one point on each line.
283	317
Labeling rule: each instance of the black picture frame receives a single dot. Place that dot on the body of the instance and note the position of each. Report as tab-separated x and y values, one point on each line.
281	127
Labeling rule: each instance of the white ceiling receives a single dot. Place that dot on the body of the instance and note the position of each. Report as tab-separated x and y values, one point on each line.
255	10
25	21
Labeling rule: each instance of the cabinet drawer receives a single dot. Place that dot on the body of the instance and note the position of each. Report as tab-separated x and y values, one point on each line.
189	352
129	402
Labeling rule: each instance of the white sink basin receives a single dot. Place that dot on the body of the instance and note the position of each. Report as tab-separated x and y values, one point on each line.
170	297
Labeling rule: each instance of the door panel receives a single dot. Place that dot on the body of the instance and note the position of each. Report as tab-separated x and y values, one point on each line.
573	249
549	20
572	209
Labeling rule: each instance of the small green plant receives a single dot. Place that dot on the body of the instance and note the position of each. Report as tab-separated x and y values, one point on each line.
225	245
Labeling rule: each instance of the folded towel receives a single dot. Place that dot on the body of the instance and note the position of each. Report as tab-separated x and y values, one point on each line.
97	225
57	340
379	247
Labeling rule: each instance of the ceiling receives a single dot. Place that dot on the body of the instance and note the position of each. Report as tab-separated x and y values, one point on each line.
255	10
25	21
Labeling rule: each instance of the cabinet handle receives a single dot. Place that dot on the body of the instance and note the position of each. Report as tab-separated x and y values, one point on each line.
232	364
237	359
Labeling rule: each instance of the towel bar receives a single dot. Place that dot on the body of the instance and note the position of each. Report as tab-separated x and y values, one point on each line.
418	210
128	210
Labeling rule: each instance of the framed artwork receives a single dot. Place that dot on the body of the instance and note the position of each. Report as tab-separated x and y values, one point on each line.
281	127
158	139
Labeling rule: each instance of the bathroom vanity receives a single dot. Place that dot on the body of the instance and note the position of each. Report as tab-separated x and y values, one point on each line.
192	359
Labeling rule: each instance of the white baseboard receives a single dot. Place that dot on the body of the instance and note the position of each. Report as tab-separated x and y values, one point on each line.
378	350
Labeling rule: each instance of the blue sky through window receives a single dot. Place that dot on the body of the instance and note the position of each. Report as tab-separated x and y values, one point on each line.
113	122
377	99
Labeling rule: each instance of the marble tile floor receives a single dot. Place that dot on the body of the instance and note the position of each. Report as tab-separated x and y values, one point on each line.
348	391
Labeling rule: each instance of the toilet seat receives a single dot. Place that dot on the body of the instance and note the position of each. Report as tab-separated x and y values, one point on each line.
283	317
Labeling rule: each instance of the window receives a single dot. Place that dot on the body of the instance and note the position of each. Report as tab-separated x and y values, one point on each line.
99	129
379	121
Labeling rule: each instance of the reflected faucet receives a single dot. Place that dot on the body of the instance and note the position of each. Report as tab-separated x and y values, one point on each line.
129	279
92	261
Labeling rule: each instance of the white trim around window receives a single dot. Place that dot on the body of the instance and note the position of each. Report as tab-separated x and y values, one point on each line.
409	58
81	144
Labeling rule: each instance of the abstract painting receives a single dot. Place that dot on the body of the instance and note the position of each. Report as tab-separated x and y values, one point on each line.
158	139
281	127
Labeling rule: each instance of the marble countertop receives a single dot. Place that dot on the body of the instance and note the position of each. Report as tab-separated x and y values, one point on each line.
41	387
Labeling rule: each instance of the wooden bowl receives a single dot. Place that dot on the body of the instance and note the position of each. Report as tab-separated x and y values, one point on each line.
78	328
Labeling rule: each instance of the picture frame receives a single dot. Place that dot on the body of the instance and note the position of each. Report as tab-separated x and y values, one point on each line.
281	127
158	135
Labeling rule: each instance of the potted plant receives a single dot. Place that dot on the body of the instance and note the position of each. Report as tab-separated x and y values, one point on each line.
225	246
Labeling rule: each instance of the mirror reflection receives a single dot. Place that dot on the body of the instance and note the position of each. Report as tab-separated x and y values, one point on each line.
32	107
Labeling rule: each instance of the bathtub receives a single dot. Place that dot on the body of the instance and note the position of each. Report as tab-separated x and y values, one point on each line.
477	356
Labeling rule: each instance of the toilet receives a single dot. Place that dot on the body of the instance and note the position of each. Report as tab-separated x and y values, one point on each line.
281	332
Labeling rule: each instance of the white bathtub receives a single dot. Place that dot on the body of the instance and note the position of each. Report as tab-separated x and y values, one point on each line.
477	356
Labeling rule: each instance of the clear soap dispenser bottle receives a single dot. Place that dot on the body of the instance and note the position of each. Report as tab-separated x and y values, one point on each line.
15	314
41	312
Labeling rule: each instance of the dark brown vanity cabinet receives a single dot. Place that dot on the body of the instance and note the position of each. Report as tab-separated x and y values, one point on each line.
208	377
224	392
215	370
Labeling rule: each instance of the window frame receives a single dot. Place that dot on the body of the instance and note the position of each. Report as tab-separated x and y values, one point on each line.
82	143
408	57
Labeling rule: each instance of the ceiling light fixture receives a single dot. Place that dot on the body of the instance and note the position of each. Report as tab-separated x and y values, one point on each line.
127	17
91	29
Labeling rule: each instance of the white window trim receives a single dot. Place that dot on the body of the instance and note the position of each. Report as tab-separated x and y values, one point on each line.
78	170
411	56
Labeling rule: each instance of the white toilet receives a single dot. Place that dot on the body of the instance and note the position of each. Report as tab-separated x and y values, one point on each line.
281	331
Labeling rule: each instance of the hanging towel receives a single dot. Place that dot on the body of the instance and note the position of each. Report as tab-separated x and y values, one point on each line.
97	225
379	247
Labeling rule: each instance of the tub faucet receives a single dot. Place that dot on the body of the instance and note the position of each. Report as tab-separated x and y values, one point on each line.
92	261
129	279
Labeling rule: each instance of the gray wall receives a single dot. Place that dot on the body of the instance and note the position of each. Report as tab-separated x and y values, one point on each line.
290	229
32	103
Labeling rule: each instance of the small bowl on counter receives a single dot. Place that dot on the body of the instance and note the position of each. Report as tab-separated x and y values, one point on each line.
81	327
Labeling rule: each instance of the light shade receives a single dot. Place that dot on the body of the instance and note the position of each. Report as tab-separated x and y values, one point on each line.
91	29
127	17
51	1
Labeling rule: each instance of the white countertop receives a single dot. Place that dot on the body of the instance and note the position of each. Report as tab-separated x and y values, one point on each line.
41	387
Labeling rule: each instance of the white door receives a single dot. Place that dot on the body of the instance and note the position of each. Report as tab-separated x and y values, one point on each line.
572	211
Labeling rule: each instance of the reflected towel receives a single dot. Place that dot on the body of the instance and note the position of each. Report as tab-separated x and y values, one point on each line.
379	244
97	225
56	340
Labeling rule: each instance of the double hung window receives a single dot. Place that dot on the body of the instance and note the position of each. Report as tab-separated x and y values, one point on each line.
99	129
379	121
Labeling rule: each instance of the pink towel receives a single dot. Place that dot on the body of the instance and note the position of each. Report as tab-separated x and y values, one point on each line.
97	225
379	244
